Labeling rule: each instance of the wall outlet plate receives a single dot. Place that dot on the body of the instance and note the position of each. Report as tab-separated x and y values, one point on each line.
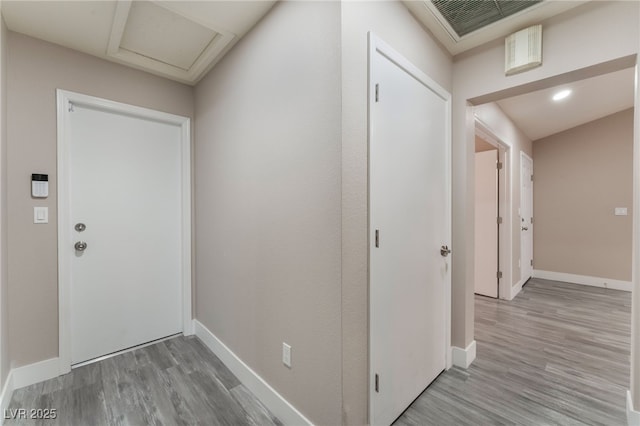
286	354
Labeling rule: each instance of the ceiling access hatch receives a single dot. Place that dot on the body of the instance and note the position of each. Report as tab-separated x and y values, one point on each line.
153	36
467	16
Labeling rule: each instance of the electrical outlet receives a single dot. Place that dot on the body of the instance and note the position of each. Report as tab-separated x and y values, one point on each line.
286	354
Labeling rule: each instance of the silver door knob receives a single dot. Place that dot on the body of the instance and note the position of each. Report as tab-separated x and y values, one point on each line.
524	228
80	246
445	251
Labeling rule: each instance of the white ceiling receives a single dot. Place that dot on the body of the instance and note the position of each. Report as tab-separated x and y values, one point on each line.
431	18
538	116
180	40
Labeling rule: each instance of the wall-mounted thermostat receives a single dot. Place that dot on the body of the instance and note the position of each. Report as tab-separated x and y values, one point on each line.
39	185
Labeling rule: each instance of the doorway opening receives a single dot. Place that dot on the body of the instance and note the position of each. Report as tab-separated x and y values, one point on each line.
573	227
492	214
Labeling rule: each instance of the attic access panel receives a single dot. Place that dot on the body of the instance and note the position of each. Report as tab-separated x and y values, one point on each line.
466	16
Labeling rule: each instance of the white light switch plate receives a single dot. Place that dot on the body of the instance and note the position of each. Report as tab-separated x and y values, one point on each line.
41	215
621	211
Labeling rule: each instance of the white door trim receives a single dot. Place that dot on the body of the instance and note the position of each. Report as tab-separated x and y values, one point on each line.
524	155
505	208
376	45
65	99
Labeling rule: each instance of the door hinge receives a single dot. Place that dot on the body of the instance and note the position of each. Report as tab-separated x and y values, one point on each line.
531	262
499	165
377	90
499	274
499	220
71	108
377	238
531	178
376	383
532	220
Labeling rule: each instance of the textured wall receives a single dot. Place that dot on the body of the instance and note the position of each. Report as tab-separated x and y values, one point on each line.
268	203
4	217
581	175
35	70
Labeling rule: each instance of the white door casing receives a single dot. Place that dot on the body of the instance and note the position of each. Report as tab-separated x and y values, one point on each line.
526	217
507	208
124	172
409	206
486	223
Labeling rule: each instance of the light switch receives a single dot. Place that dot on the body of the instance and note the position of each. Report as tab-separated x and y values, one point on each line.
41	215
621	211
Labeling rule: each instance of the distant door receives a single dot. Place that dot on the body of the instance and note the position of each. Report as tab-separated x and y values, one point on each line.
526	216
486	229
125	205
410	222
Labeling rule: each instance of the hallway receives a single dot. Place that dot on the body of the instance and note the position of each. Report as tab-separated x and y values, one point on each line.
557	354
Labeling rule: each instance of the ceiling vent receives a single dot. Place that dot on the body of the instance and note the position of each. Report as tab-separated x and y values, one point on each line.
523	50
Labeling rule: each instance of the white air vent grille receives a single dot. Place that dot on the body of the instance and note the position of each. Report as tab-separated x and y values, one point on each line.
523	50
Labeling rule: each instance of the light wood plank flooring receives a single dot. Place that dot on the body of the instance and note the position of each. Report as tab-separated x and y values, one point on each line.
557	354
173	382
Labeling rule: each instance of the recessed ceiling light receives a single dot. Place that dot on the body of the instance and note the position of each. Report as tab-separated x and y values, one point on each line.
561	95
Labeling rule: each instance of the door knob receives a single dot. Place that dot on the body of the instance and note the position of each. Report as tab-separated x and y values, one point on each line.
80	246
444	251
524	228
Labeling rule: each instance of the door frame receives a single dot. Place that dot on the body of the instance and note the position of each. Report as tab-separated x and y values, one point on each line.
65	102
524	155
376	45
505	207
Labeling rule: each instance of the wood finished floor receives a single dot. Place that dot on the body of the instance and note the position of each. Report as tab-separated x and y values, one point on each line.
558	354
174	382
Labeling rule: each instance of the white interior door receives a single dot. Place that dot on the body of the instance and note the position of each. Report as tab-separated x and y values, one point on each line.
409	222
486	229
526	216
125	187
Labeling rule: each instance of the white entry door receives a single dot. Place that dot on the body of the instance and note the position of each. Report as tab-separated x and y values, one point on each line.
125	205
409	223
486	229
526	216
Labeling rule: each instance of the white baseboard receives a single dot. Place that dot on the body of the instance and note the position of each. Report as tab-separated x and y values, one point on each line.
275	402
35	373
5	396
633	417
464	357
516	289
584	280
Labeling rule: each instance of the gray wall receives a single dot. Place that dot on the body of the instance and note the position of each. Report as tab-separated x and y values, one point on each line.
35	70
581	175
268	203
4	217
